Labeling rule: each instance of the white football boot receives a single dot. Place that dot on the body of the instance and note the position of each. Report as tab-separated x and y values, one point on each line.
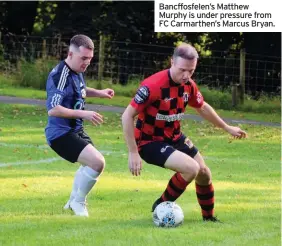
67	206
79	208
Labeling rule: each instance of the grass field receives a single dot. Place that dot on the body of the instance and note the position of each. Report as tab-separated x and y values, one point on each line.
35	184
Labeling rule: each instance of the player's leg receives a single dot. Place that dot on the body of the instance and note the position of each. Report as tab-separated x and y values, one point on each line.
69	147
93	165
85	141
74	187
203	180
79	147
186	170
204	189
164	155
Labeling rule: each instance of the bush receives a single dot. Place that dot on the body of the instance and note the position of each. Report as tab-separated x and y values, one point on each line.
223	100
264	104
127	90
215	98
34	74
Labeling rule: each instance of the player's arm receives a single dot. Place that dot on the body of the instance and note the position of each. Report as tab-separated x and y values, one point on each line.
134	159
105	93
141	100
208	113
138	104
62	112
128	128
56	93
196	101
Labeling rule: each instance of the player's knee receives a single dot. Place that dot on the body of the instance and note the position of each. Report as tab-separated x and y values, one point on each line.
196	168
204	172
98	163
101	163
193	168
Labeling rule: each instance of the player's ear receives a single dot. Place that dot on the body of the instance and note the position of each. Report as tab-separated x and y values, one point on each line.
171	62
70	54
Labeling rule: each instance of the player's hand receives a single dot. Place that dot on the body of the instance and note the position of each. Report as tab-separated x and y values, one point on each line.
93	117
134	163
236	132
107	93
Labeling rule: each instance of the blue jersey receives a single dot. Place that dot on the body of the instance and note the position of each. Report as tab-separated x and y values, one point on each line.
66	88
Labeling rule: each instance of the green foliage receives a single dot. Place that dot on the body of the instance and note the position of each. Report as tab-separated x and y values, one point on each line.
31	74
127	90
45	16
217	99
223	100
264	104
34	74
4	64
203	42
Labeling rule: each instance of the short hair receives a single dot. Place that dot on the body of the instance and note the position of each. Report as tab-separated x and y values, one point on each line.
82	40
185	51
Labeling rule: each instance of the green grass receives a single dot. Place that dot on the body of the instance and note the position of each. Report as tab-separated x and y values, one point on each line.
8	87
246	177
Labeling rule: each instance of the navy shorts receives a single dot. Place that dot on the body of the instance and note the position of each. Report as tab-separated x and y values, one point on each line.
157	153
70	145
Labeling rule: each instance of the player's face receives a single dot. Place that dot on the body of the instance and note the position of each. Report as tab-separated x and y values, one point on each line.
182	69
81	59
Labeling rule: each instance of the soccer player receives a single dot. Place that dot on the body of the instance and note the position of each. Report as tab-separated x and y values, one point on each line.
160	103
66	94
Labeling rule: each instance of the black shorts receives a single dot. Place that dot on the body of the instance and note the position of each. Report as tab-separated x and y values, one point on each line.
157	153
70	145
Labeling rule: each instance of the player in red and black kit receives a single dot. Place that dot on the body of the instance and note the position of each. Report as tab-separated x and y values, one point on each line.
160	104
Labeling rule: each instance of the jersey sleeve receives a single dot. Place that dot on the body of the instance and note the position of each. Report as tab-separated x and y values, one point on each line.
196	99
142	98
57	86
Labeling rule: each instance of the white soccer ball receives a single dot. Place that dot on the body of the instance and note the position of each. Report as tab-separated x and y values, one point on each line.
168	214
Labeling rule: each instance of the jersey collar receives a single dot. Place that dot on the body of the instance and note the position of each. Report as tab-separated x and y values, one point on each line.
69	67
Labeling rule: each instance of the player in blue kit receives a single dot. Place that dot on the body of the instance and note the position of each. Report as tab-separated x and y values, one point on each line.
66	93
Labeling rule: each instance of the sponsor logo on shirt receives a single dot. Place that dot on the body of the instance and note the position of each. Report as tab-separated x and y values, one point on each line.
168	99
169	118
79	104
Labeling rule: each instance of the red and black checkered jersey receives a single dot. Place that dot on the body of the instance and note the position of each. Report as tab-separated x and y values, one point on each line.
161	104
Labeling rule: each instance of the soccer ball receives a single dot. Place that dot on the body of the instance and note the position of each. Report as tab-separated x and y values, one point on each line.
168	214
